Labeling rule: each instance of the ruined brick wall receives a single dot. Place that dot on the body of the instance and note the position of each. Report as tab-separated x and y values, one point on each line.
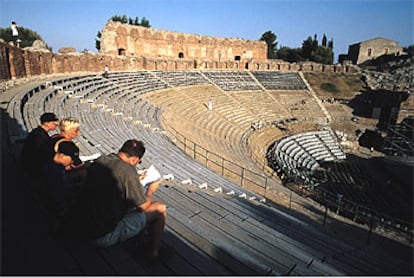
18	63
12	62
4	63
130	40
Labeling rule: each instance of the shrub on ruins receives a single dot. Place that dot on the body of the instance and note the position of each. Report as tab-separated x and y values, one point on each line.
128	20
26	35
98	40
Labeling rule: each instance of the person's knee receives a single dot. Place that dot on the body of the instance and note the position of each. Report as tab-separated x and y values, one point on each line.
161	207
158	206
157	210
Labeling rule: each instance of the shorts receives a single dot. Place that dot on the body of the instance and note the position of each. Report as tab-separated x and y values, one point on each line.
131	225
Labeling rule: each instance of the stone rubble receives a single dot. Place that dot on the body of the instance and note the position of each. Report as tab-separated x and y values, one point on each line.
395	76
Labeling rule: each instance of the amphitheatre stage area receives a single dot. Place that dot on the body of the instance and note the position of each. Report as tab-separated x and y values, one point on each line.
275	173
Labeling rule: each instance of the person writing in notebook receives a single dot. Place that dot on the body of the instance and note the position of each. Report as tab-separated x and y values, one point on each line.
116	206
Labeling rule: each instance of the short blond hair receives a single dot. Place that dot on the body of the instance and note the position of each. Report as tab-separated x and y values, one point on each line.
69	123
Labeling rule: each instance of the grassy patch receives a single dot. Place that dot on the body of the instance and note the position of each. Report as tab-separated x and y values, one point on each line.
346	84
329	87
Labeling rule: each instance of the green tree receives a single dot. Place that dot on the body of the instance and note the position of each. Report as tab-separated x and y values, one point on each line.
98	40
330	44
120	18
323	55
315	42
128	20
324	40
312	51
308	46
291	55
145	23
26	35
270	38
136	21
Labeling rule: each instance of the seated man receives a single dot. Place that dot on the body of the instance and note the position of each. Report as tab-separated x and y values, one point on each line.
115	206
36	149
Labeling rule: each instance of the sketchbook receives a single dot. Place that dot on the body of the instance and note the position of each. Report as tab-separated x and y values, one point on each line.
151	175
89	157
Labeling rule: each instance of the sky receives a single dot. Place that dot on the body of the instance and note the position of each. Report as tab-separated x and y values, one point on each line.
64	23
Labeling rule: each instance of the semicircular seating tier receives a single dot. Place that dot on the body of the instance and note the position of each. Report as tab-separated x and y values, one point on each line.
225	233
300	154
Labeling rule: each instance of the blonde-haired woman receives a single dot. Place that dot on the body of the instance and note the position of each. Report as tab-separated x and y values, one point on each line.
69	130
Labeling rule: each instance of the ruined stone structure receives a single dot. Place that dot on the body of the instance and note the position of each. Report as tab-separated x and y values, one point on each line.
19	63
131	40
370	49
131	48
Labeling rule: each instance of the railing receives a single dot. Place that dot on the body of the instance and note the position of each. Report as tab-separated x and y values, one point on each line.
356	212
247	178
226	168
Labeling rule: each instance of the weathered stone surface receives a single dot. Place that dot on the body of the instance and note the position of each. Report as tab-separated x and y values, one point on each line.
67	50
397	75
38	45
16	62
131	40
